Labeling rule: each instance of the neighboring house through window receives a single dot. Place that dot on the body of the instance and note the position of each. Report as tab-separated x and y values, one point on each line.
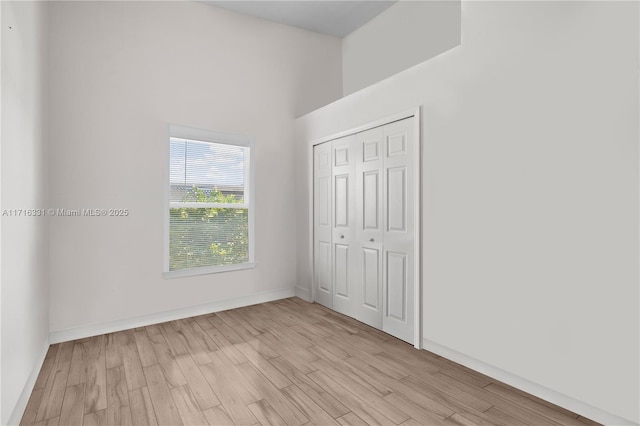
209	224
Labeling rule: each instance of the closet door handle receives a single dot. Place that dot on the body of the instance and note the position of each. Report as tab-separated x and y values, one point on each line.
371	239
341	236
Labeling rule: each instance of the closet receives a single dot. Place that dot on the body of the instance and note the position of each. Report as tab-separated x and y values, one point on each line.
364	226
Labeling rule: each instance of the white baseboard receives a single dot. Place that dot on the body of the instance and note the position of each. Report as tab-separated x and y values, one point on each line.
303	293
525	385
21	404
191	311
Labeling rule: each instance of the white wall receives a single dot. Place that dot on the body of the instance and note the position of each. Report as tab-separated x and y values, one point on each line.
530	192
407	33
1	411
25	291
119	73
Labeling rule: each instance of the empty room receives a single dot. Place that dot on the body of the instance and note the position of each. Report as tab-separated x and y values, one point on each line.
320	213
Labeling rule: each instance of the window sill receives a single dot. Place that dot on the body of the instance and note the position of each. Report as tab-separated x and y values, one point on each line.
207	270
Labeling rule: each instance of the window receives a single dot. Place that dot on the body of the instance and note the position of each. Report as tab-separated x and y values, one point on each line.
210	205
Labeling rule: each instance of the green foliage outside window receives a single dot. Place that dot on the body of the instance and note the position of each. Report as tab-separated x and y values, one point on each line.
208	236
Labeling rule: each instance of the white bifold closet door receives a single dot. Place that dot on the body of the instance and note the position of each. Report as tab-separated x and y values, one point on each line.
364	227
344	226
399	230
370	226
322	270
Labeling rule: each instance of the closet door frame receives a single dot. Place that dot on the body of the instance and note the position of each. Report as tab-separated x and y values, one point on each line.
417	240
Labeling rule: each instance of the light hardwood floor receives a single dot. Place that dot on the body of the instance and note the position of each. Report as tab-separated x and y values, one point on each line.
286	362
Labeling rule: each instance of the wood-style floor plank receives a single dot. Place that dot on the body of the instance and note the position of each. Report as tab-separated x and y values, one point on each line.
362	409
163	403
228	332
344	372
411	422
504	405
118	410
480	419
203	393
228	348
364	390
48	365
95	398
31	411
326	401
235	318
98	418
112	351
422	414
51	403
54	421
217	416
276	399
78	366
350	419
142	412
587	421
168	365
196	347
502	418
563	417
205	342
274	375
308	406
299	356
188	408
72	410
132	366
145	348
175	340
266	415
447	394
233	397
286	362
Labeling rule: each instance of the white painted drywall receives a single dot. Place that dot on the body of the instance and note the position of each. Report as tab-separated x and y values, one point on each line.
25	291
120	72
1	411
530	192
407	33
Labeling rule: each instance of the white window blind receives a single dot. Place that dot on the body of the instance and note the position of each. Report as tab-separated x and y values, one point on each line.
209	204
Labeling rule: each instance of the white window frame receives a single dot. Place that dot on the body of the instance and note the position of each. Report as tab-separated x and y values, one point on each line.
200	135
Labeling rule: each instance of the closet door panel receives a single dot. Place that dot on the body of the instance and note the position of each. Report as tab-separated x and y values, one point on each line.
324	201
323	260
345	273
322	264
371	183
397	196
342	199
399	225
369	224
396	291
341	265
371	278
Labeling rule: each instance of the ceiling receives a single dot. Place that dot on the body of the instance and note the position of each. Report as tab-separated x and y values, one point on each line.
335	18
